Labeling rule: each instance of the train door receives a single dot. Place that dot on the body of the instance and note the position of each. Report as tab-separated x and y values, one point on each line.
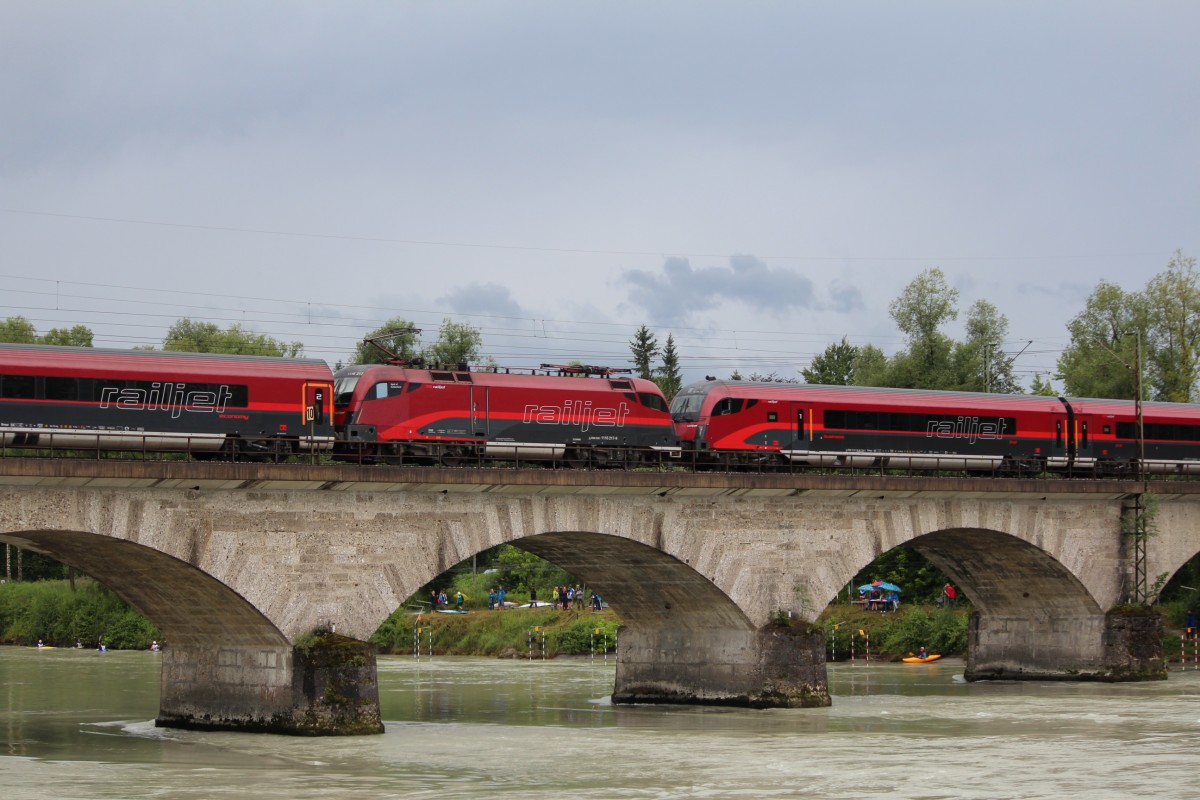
317	427
480	406
318	404
1085	451
800	431
1062	452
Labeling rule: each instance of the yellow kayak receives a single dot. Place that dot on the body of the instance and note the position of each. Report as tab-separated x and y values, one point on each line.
919	660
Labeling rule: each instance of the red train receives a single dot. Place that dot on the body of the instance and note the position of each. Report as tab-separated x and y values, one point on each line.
269	408
146	400
579	415
740	422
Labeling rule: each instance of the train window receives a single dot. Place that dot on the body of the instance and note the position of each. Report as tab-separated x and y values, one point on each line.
686	407
1058	433
750	404
652	400
1083	433
385	389
730	405
18	387
412	386
800	424
62	389
343	390
1160	431
947	424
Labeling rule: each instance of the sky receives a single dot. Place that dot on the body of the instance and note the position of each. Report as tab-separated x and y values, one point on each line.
756	179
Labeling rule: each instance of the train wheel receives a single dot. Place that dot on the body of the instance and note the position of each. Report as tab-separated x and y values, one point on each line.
577	458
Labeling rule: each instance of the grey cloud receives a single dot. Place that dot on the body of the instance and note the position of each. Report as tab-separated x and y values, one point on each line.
846	299
487	299
681	289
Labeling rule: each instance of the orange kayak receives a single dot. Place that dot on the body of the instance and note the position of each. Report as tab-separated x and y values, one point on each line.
919	660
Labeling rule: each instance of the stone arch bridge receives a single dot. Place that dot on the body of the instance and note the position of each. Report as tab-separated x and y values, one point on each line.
716	576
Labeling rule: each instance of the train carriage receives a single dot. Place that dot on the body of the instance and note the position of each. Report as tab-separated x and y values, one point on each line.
397	413
145	400
841	426
1108	435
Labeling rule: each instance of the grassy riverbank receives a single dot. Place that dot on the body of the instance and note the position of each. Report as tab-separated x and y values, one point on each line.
51	612
514	632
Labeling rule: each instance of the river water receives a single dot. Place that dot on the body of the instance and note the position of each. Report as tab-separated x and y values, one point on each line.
79	724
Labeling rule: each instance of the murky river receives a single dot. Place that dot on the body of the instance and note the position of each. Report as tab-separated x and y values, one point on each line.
79	724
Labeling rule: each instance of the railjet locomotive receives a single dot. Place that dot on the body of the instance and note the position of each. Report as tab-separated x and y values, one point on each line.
743	422
580	416
144	400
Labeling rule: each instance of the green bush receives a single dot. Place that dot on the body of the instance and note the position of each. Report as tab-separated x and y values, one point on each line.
900	633
49	611
579	637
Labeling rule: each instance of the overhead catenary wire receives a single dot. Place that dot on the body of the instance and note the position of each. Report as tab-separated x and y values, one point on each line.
139	316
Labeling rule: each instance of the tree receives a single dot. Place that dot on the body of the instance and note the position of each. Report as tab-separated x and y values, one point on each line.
925	305
668	377
397	335
1041	386
644	348
834	367
979	362
457	343
190	336
18	330
871	367
770	377
77	336
1172	305
1101	358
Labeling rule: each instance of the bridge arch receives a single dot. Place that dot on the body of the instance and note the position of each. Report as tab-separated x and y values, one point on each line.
649	588
190	607
1003	574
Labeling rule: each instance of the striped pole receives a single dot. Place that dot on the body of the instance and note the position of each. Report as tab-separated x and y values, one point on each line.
867	639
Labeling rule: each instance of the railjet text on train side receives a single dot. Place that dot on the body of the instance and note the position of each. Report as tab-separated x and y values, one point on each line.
971	428
172	397
576	412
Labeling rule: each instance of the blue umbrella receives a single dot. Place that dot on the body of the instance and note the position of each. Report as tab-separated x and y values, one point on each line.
882	585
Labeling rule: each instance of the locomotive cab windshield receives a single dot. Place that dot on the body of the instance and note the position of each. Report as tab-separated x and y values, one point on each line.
686	407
